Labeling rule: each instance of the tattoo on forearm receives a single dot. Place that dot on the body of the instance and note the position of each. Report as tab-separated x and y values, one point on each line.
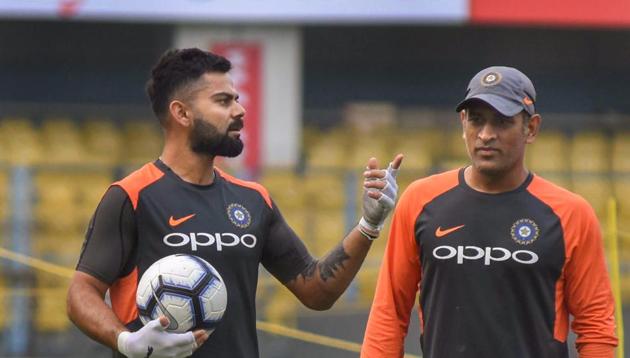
328	266
309	271
332	262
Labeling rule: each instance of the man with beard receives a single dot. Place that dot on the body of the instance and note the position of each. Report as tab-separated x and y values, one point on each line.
182	193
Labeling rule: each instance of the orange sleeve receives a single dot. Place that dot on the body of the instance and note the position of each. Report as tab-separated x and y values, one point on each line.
395	290
248	184
400	274
595	350
587	286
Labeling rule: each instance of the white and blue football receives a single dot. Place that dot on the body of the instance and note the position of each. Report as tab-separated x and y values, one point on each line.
184	288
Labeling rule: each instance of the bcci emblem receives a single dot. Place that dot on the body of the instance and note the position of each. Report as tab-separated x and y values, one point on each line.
524	231
491	79
239	216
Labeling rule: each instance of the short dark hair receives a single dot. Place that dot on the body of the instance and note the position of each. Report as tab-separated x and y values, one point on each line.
178	68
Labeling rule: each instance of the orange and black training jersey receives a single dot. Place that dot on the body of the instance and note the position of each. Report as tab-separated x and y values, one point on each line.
498	274
232	224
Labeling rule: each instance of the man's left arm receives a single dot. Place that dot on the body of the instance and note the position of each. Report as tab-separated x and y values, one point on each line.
588	292
318	283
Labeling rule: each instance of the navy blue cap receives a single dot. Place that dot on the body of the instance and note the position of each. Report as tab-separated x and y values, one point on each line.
506	89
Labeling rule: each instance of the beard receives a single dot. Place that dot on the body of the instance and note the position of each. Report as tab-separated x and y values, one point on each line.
206	139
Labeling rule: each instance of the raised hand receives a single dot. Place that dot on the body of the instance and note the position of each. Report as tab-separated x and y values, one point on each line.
379	195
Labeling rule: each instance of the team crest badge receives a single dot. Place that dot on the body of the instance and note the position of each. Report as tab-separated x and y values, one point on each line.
524	231
239	216
491	79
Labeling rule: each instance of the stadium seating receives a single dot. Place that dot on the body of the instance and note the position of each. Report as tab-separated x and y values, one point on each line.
365	146
625	287
66	201
21	142
51	289
56	210
325	189
548	153
297	219
62	142
287	190
456	154
596	190
285	187
327	227
330	150
620	168
620	153
102	142
50	305
590	153
562	179
406	176
281	307
621	190
142	142
547	157
421	147
89	188
366	282
369	117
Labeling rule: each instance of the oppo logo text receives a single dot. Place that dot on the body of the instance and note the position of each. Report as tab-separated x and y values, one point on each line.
221	240
488	254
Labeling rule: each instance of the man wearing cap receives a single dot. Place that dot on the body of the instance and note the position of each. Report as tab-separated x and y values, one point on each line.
501	257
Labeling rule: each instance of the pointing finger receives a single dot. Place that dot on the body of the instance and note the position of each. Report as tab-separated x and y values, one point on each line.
395	164
392	169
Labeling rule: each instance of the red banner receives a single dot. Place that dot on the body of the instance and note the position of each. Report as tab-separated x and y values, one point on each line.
610	13
246	74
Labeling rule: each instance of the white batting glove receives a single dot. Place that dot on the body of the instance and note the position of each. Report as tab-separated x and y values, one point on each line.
375	211
153	341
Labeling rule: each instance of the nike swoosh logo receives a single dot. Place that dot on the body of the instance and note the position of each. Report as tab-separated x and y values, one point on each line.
174	222
172	322
440	233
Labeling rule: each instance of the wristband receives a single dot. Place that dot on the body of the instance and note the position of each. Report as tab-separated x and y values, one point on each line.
367	236
369	226
368	230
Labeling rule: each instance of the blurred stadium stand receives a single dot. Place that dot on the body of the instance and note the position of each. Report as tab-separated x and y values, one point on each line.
79	122
71	171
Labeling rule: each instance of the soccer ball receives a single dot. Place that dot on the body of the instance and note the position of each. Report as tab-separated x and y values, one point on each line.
184	288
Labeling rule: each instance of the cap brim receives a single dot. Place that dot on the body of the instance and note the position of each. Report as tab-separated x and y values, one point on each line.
503	105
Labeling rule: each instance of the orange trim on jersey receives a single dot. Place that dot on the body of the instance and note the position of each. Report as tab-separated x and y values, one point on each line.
138	180
561	323
400	275
583	289
123	296
248	184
